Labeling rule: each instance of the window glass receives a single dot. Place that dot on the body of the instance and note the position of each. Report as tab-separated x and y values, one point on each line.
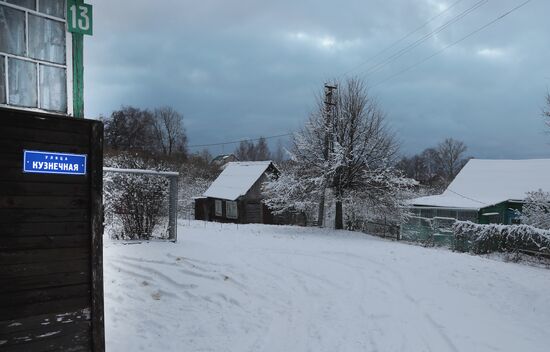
231	210
2	81
218	206
30	4
53	90
12	31
52	7
46	39
22	83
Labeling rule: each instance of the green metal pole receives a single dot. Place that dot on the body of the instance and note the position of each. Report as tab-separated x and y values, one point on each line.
78	72
78	75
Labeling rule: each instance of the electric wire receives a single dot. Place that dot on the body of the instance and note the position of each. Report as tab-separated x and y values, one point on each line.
454	43
238	141
402	38
425	38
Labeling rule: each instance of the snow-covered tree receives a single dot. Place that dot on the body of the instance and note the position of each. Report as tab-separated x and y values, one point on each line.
290	191
134	204
536	209
349	151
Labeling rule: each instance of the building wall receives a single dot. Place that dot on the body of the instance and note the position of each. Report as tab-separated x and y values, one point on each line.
251	208
506	213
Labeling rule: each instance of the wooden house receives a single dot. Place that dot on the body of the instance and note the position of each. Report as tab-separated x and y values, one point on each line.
484	191
235	196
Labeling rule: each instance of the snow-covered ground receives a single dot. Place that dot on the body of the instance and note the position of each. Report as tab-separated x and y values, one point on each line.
283	289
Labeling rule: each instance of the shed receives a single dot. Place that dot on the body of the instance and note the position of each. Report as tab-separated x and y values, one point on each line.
484	191
235	196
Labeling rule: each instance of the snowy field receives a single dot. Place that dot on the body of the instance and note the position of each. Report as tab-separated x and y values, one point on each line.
283	289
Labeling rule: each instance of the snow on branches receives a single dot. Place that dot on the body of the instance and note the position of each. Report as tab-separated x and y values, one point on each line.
134	204
349	151
536	209
482	239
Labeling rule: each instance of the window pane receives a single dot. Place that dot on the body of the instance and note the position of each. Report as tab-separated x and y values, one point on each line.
30	4
22	83
46	39
53	88
53	7
12	31
2	81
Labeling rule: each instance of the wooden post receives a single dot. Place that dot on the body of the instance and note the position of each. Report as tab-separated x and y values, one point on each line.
96	229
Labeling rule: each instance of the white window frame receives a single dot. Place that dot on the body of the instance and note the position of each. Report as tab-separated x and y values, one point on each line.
218	207
67	66
229	207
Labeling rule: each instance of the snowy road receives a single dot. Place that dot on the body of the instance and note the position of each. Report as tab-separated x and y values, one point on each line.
264	288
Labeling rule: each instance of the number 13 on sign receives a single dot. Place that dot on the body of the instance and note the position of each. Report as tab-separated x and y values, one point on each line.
79	17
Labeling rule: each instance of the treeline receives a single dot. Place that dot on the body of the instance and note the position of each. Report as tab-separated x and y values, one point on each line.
153	139
259	151
156	132
436	167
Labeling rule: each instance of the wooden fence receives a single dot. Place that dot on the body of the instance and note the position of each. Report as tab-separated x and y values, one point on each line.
51	278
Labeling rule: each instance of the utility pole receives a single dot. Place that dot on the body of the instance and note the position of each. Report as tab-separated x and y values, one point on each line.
329	143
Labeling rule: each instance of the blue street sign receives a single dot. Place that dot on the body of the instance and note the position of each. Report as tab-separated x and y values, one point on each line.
41	162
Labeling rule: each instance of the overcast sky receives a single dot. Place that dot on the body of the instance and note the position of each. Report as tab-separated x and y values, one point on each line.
243	69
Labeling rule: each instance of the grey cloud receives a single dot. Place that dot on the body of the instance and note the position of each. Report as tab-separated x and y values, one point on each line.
248	68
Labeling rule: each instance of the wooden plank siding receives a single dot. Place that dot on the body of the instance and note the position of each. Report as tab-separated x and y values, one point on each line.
51	277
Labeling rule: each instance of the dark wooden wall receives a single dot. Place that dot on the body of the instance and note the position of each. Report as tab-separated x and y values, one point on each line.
51	284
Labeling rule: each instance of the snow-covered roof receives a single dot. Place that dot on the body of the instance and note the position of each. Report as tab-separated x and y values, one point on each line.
236	179
482	183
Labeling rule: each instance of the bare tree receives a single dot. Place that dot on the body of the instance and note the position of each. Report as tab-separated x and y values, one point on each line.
248	151
279	154
169	131
262	150
245	151
129	128
450	154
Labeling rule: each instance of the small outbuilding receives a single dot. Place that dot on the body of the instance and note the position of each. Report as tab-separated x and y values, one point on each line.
235	196
484	191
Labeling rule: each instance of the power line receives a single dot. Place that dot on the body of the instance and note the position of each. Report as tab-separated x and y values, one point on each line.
238	141
454	43
403	38
401	52
423	39
465	197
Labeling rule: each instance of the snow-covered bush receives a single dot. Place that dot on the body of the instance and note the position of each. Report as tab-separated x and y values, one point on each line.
482	239
134	204
190	188
536	209
196	175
